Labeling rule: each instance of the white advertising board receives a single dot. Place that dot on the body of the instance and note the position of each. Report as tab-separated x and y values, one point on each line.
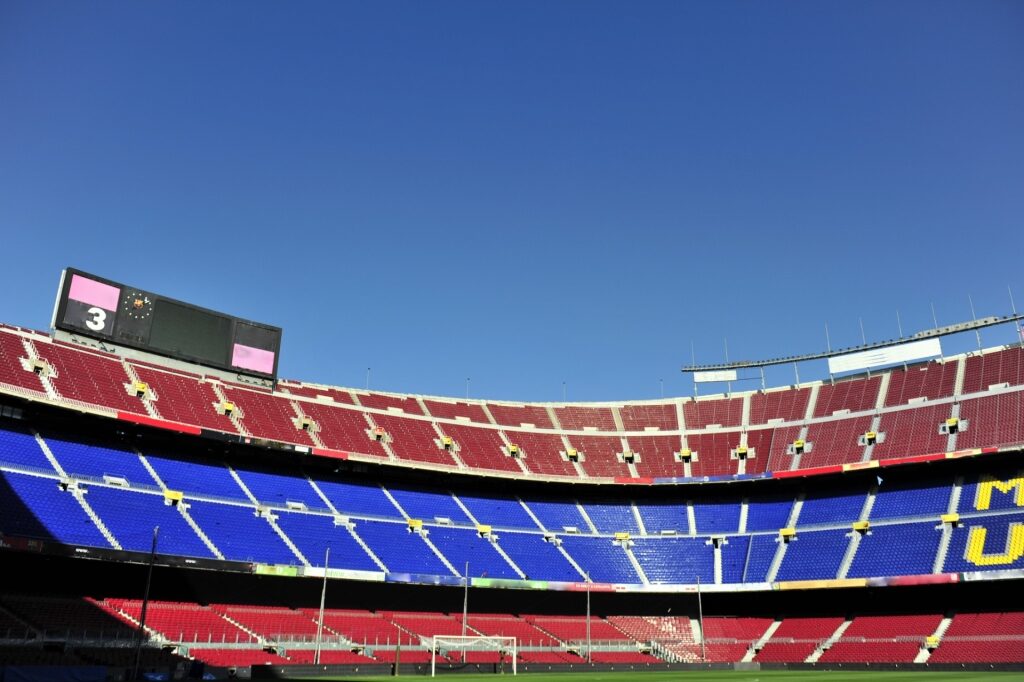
880	357
722	375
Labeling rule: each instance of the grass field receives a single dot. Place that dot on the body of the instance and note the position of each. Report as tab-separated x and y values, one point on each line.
728	676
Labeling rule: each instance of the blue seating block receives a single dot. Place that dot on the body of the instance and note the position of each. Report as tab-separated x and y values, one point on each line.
997	545
734	558
130	516
500	512
903	549
21	449
400	550
715	517
538	559
814	555
674	560
759	560
558	515
421	504
354	499
969	497
96	461
769	513
659	517
612	517
461	545
911	499
34	507
604	561
239	534
827	506
196	478
279	489
313	533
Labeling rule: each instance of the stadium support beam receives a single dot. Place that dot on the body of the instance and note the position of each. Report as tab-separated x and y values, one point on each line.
970	325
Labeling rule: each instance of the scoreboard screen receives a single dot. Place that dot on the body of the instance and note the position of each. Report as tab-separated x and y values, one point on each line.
97	307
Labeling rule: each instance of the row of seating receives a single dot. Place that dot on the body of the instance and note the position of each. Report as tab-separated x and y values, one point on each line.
782	429
55	489
232	634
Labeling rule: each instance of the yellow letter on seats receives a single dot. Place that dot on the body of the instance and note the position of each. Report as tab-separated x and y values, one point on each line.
976	546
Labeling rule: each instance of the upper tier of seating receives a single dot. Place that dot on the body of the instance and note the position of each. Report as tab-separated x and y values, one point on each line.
893	415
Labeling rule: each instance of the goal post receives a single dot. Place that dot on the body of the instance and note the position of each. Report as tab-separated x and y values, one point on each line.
466	643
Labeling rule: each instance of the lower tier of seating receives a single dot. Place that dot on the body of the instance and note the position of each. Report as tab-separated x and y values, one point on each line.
241	635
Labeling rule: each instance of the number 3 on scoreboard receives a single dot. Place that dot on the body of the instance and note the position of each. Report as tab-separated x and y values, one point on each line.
99	319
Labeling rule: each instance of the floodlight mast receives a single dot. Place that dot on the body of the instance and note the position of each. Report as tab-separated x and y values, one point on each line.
700	615
590	645
323	598
465	600
145	605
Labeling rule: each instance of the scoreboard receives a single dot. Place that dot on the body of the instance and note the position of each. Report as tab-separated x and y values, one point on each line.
105	310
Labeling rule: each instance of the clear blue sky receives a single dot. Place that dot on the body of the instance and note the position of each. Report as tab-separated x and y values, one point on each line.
523	193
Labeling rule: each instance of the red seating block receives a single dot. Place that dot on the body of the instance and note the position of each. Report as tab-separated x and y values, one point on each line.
89	377
576	417
931	380
657	455
267	416
698	414
343	428
600	455
856	395
184	398
480	448
639	417
382	401
413	439
517	415
12	372
541	452
789	404
1004	366
451	410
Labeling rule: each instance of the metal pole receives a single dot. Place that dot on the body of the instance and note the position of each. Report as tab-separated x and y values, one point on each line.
145	604
465	603
935	320
367	378
700	617
828	344
693	363
563	391
863	337
763	384
796	371
589	642
1013	309
323	599
467	387
974	316
899	325
662	382
728	384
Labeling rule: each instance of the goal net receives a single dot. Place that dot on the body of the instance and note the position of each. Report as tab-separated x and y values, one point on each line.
462	645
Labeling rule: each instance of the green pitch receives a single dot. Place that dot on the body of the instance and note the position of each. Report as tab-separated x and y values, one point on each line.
722	676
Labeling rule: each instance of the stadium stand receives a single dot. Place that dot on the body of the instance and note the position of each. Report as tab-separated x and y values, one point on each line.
74	485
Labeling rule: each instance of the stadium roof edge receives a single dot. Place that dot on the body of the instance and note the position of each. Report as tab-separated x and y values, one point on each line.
970	325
